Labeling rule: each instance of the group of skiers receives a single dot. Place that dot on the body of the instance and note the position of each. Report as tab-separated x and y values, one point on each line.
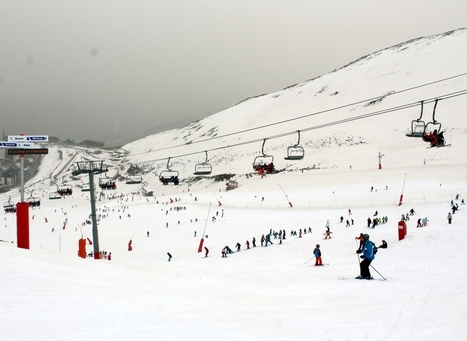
372	223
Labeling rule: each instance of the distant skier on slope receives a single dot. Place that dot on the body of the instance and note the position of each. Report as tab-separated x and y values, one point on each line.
327	234
317	253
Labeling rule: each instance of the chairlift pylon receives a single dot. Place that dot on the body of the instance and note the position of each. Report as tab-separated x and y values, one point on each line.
295	152
417	127
203	168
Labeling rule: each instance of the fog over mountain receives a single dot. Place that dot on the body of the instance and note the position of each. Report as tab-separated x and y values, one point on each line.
115	71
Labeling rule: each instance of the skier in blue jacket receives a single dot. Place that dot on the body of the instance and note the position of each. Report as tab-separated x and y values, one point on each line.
317	253
368	255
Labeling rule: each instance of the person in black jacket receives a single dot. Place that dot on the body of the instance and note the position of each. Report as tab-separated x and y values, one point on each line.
383	245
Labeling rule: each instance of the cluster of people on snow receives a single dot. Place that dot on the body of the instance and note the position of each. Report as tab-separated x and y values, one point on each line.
372	223
265	240
422	222
454	207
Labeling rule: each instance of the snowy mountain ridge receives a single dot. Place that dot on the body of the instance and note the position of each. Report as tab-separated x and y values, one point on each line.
396	76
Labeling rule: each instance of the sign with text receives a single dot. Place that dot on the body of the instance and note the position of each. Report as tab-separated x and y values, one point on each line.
4	144
28	138
28	151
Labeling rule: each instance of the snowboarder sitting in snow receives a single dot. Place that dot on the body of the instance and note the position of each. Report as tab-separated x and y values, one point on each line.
368	251
383	245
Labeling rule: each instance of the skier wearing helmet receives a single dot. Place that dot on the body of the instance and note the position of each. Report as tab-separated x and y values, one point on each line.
368	255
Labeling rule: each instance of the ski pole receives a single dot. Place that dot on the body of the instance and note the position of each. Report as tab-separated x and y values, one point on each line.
377	272
309	260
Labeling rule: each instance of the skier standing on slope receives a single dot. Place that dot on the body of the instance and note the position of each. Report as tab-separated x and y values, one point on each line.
367	256
317	253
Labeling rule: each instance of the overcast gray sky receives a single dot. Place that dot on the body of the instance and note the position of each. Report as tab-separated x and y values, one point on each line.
104	69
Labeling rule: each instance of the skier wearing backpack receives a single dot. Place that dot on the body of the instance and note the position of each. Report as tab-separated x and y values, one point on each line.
368	254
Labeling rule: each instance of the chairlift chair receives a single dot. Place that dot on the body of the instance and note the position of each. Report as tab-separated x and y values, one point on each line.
9	207
86	188
230	185
203	168
107	183
418	126
64	190
134	179
264	162
54	195
168	175
295	152
433	127
34	201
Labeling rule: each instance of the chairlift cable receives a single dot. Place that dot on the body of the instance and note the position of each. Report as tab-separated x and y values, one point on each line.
324	125
319	112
